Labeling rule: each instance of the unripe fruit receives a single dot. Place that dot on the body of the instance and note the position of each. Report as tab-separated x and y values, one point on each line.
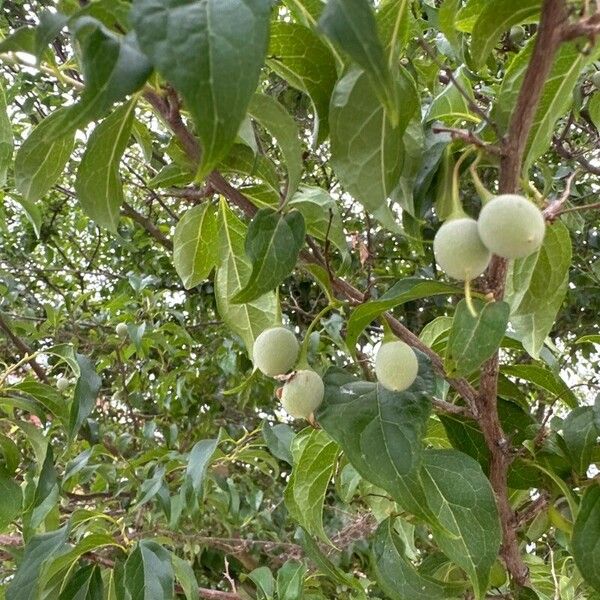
275	351
516	35
62	383
396	366
302	394
121	329
511	226
459	251
596	80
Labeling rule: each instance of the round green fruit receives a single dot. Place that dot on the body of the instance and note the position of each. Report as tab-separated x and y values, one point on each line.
516	35
596	80
121	329
511	226
62	383
396	366
302	394
275	351
459	251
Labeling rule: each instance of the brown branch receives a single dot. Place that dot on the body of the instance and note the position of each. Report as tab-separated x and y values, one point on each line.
468	136
24	349
589	27
148	225
548	40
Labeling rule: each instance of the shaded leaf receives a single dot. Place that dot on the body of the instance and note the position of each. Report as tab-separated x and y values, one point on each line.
405	290
450	104
149	572
185	576
264	581
98	183
474	339
279	440
581	437
198	461
273	243
6	139
46	491
86	584
290	581
586	537
86	392
32	212
313	467
192	44
196	244
12	499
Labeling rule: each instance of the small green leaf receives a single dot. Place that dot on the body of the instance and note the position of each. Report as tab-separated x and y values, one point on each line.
381	432
273	243
50	25
86	392
394	21
192	44
351	25
279	440
474	339
305	492
149	572
249	319
196	245
198	461
398	577
46	491
6	138
32	212
42	157
86	584
581	437
450	104
98	183
290	581
497	17
306	63
276	120
39	551
185	575
264	581
536	288
366	149
12	499
593	107
405	290
460	495
586	537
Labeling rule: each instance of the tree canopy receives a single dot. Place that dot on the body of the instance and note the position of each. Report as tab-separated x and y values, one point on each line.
178	178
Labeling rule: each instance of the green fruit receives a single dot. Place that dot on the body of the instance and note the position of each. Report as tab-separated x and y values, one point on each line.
275	351
121	329
396	366
516	35
302	394
511	226
62	383
459	251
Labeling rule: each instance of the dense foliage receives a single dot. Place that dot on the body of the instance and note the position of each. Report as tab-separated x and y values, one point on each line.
180	176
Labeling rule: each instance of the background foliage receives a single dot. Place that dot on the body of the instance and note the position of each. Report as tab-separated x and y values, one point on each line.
199	170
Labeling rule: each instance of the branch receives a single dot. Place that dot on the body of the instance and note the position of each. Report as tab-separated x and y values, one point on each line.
468	136
148	225
24	349
589	27
548	40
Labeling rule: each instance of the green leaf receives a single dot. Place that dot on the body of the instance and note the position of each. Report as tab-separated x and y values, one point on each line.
32	212
307	486
12	499
351	25
185	575
306	12
447	21
86	584
196	244
46	491
149	572
581	437
98	183
264	581
586	537
405	290
536	288
394	20
497	17
460	495
241	160
397	576
40	550
279	440
113	68
48	396
86	392
475	339
198	461
381	431
276	120
247	320
273	243
322	216
20	40
366	150
593	107
42	157
192	44
50	25
450	104
306	63
290	581
6	138
545	379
